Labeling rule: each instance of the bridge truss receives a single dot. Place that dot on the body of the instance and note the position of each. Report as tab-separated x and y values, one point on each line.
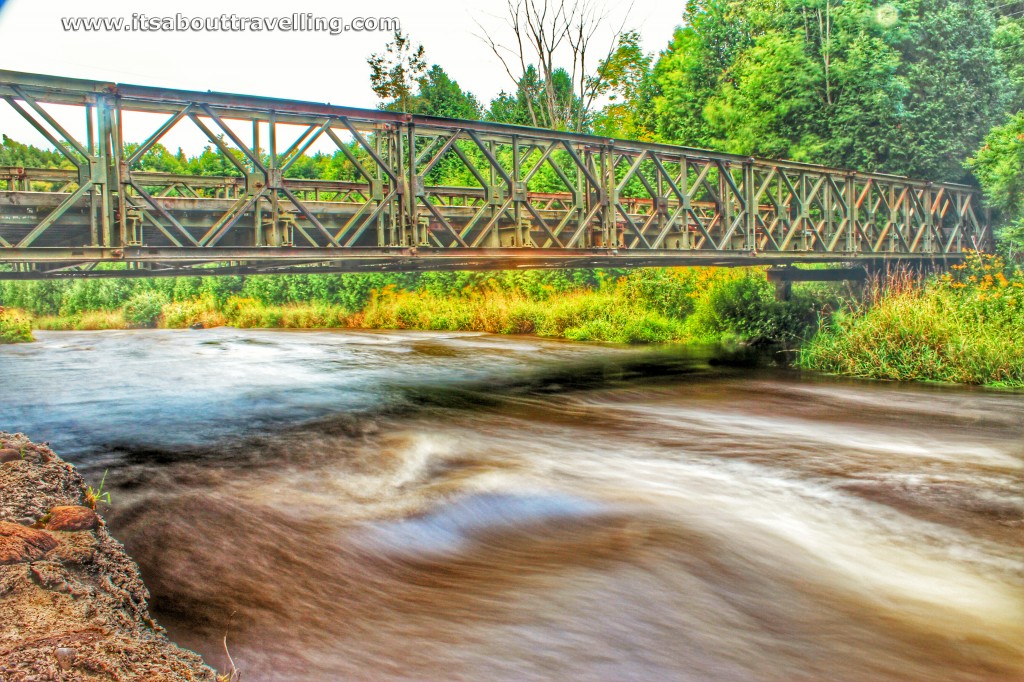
526	197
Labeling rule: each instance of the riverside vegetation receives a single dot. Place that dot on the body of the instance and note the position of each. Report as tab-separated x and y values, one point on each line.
965	326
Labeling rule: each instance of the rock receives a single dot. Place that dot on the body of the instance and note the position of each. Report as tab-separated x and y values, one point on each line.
19	544
65	657
9	455
72	518
196	325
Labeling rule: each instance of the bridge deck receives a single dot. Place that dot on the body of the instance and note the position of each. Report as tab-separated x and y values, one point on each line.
531	197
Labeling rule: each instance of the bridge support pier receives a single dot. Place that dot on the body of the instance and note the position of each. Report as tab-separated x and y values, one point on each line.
784	277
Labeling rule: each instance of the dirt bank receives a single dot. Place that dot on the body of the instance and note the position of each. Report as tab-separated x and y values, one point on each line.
72	603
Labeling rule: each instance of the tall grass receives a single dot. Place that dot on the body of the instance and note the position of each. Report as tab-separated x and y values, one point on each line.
707	305
580	315
965	327
85	321
15	326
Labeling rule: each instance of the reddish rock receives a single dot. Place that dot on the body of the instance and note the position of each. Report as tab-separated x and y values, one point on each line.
72	518
9	455
19	544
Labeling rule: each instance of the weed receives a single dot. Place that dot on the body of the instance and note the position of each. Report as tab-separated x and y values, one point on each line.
97	495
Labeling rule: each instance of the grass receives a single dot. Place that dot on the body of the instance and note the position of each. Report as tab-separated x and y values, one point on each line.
91	320
15	326
705	305
581	315
966	327
93	496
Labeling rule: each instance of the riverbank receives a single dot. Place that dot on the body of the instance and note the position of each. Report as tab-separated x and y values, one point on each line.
965	327
74	604
689	305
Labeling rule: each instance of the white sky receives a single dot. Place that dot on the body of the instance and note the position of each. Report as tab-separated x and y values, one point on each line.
310	66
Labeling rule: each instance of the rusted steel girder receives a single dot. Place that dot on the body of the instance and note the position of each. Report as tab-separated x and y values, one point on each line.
532	197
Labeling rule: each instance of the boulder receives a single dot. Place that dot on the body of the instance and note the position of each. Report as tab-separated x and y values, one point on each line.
72	518
19	544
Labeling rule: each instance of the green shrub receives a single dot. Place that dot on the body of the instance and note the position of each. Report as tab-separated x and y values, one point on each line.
744	309
143	309
964	327
14	327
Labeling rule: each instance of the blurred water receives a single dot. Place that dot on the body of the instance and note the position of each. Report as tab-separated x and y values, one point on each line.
412	506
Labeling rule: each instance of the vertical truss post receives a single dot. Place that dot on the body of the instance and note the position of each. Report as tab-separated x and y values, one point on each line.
608	196
95	196
411	181
117	141
850	189
750	199
929	215
111	157
397	157
724	204
520	192
257	206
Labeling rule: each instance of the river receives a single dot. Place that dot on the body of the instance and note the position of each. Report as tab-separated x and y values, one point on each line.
419	506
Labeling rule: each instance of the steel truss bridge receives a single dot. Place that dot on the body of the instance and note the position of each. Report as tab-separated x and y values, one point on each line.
533	198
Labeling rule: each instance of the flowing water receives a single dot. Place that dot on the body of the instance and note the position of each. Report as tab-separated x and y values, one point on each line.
415	506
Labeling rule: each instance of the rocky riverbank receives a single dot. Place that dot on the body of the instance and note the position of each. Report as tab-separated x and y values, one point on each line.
72	603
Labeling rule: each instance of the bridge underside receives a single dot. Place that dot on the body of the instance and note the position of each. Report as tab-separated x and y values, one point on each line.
33	264
419	193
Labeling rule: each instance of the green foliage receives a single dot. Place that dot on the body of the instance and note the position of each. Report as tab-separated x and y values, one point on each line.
439	95
905	87
770	101
966	327
16	154
956	85
158	159
1009	44
93	496
34	297
84	295
689	71
14	327
540	103
745	309
394	72
626	79
144	308
999	166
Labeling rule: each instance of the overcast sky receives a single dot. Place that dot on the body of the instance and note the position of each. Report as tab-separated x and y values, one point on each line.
308	66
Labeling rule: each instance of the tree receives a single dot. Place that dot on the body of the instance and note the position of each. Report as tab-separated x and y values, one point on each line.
956	89
158	159
549	57
17	154
766	108
395	72
688	72
439	95
1009	43
626	79
999	167
907	87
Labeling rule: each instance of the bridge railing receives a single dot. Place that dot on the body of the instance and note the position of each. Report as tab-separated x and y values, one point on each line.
416	187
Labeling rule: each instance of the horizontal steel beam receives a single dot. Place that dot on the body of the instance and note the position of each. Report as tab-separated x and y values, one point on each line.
789	274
